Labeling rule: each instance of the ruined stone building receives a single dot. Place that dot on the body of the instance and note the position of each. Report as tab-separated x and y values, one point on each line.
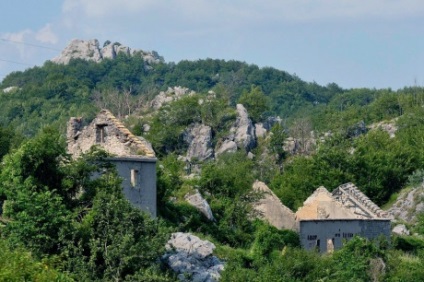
327	219
132	156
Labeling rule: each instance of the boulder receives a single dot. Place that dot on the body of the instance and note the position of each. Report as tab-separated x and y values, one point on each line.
228	146
270	208
260	130
192	258
199	138
197	201
400	229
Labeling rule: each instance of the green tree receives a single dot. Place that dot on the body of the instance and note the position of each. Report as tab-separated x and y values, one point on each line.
255	102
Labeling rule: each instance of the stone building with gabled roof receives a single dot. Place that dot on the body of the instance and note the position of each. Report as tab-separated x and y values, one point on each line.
132	156
327	219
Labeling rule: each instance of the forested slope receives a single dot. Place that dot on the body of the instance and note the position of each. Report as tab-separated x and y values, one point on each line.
98	236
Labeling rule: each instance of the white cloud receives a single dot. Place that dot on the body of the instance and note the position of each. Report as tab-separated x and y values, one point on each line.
46	35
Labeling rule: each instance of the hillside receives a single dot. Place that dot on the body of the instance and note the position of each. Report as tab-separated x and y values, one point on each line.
216	126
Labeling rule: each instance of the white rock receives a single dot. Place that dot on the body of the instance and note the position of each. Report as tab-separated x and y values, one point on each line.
190	257
197	201
199	138
400	229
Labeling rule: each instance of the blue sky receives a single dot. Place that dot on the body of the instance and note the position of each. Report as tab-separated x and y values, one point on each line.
374	43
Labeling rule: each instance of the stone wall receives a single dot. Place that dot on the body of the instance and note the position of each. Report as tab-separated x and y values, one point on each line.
138	181
107	132
330	234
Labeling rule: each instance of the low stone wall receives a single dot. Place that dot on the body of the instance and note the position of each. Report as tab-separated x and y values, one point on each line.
328	234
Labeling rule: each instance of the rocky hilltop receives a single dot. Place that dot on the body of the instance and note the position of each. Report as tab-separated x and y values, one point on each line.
90	50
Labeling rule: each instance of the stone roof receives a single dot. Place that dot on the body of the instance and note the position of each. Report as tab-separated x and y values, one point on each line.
352	198
107	132
142	148
321	205
271	209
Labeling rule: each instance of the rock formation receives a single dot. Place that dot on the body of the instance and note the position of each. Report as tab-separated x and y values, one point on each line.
387	126
191	258
271	209
197	201
400	229
242	134
199	138
408	205
90	50
172	94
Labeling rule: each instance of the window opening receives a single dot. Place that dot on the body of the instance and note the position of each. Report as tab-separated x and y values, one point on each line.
134	176
100	133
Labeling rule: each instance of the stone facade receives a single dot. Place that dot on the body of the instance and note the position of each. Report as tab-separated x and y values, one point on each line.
327	219
132	156
329	234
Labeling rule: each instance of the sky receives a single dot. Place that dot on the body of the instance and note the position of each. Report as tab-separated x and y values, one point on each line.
355	43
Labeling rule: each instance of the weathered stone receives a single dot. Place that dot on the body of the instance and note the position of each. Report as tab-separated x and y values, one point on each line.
408	205
387	126
80	49
228	146
105	130
192	258
270	208
260	130
242	134
199	138
197	201
400	229
170	95
91	51
244	130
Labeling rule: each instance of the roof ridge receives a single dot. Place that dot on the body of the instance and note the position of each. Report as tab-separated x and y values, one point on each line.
123	129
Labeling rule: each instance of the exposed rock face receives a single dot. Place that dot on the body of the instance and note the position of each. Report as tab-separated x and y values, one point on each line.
172	94
357	129
400	229
272	210
199	138
388	126
197	201
10	89
192	258
408	205
228	146
90	50
260	130
242	133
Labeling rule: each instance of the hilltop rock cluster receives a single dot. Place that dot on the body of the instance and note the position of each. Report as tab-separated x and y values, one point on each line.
90	50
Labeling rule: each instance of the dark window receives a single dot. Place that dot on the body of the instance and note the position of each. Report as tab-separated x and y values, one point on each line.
100	133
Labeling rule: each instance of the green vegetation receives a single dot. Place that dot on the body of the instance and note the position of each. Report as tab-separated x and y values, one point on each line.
56	223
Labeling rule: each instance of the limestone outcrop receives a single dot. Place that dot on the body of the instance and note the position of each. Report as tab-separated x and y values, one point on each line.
197	201
192	258
172	94
242	133
400	229
408	205
199	138
270	208
90	50
388	126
